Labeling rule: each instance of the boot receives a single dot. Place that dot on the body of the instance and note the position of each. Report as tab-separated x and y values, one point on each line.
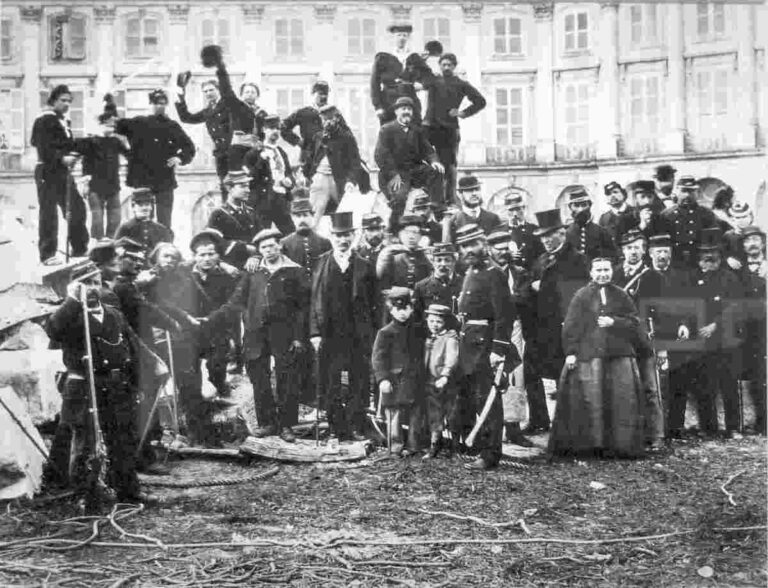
515	436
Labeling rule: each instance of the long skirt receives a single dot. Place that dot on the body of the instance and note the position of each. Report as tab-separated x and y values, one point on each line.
600	409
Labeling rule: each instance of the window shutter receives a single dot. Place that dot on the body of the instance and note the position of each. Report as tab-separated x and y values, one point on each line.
132	37
75	48
16	135
353	36
57	38
6	39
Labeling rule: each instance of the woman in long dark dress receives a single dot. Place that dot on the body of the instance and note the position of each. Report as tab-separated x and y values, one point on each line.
600	405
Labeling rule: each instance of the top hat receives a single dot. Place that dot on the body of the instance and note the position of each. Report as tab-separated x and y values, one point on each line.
403	101
399	297
664	172
320	86
438	310
611	186
441	249
433	48
549	220
210	235
661	240
578	195
301	205
342	222
158	95
631	236
102	251
644	186
467	183
372	220
739	210
237	176
265	234
400	28
710	239
499	234
468	233
140	195
687	183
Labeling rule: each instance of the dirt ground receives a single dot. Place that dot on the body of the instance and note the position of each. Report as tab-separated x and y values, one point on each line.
418	523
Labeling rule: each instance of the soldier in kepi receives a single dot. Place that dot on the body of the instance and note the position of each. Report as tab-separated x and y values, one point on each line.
142	228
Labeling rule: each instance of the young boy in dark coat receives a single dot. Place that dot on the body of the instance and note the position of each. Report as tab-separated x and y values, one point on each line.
399	370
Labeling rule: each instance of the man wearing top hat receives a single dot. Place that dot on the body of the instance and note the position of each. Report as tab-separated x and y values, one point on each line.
308	119
583	233
406	160
527	245
443	287
620	216
342	326
555	277
485	313
472	211
371	242
304	246
664	180
158	146
275	302
404	263
445	96
236	221
628	274
685	221
55	145
648	208
142	228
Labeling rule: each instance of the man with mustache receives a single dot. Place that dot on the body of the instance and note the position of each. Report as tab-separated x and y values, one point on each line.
664	180
275	197
404	263
685	221
628	274
472	211
443	287
528	247
620	217
649	208
584	235
402	149
304	246
372	240
142	228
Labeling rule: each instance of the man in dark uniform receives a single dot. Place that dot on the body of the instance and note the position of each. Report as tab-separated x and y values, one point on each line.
443	287
446	94
275	301
484	309
628	274
528	246
114	358
158	147
664	176
472	211
52	137
304	246
620	217
372	240
342	325
308	119
236	221
276	196
402	150
649	208
685	221
405	263
141	228
584	235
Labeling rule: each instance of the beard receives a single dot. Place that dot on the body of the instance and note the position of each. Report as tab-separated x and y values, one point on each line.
582	217
303	229
375	240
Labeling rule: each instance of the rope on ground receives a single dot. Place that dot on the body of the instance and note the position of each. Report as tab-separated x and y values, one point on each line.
204	483
728	481
505	460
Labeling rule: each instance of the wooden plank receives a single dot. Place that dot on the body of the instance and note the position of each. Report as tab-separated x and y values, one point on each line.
304	450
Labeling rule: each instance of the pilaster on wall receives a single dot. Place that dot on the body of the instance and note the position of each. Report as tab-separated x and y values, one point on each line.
472	143
674	140
256	37
544	88
105	37
323	48
31	31
608	121
178	18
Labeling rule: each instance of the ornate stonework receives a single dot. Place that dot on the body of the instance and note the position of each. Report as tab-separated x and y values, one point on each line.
473	12
178	13
325	13
400	12
31	13
543	10
104	14
253	14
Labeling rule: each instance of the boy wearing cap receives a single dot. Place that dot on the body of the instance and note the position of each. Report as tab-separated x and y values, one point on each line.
158	146
685	221
304	246
141	228
52	138
583	233
101	173
405	263
398	365
236	221
307	118
620	216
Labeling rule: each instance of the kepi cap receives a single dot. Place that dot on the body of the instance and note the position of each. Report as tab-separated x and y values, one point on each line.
468	233
399	297
438	310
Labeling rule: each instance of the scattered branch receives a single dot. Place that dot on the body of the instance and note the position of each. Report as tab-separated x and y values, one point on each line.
728	481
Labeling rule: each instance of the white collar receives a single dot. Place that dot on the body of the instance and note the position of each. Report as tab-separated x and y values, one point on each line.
473	212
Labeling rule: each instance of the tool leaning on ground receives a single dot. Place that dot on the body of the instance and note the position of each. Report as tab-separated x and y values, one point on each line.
470	440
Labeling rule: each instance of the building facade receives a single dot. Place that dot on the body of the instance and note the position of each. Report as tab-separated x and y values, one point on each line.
577	92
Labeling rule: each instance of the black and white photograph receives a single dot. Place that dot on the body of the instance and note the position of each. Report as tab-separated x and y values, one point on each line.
346	293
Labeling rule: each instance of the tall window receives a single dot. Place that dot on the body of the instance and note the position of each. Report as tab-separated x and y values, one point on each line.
289	37
11	120
644	106
644	24
712	98
507	36
576	98
361	36
438	29
710	19
216	32
67	35
287	100
576	36
355	106
509	117
76	113
6	39
142	36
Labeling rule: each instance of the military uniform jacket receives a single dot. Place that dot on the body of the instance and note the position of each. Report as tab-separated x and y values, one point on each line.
398	357
140	314
101	161
275	308
432	290
238	224
402	268
528	245
400	149
390	81
486	220
242	117
307	118
484	297
343	157
147	232
52	138
628	278
368	253
617	224
719	290
592	240
684	223
154	140
305	250
216	119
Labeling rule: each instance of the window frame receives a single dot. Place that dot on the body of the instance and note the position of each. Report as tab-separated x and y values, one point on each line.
217	38
710	16
507	37
648	27
142	36
68	55
354	102
10	39
16	133
290	39
584	122
436	20
362	37
508	88
575	33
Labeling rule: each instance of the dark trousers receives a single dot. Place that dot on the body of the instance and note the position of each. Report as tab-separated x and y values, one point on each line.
345	407
274	207
164	206
538	415
222	168
716	375
420	176
476	387
682	377
446	140
278	407
52	192
104	204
